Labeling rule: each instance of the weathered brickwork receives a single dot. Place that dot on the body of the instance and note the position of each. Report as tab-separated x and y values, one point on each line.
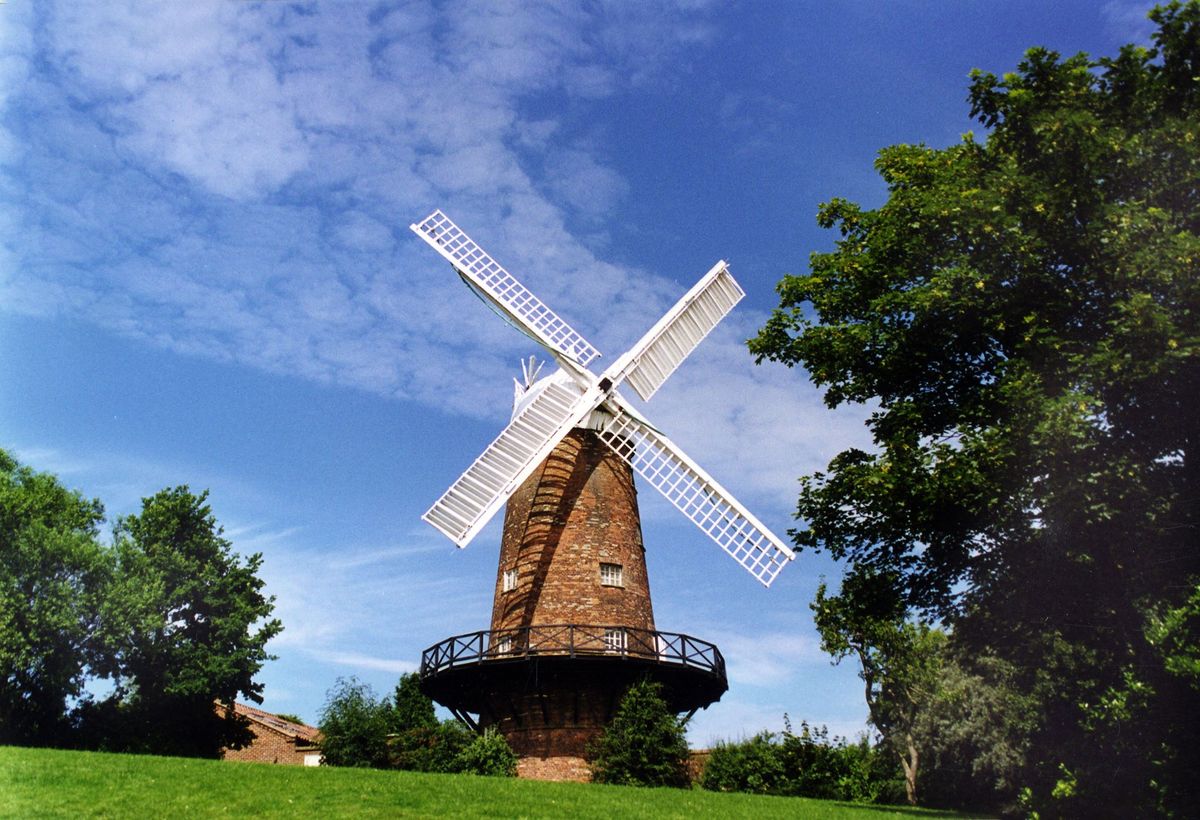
577	511
550	693
554	768
275	740
697	760
558	711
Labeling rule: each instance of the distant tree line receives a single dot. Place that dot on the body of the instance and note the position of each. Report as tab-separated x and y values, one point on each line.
1022	595
166	617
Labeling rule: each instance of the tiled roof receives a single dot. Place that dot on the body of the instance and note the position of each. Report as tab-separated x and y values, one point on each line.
300	731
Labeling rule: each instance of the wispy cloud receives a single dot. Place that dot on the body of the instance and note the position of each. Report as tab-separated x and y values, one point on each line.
358	660
239	184
768	658
179	205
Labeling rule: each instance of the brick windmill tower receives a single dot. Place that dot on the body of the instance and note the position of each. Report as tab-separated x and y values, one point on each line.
572	622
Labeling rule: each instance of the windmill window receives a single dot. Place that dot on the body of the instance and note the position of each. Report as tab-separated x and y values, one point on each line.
510	580
611	575
504	646
614	639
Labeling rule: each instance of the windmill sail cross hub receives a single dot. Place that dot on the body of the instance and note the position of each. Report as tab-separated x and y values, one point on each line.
547	410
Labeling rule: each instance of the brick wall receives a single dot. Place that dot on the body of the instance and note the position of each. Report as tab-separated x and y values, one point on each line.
697	760
578	510
271	747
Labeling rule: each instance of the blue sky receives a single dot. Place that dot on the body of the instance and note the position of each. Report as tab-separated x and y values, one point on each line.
207	277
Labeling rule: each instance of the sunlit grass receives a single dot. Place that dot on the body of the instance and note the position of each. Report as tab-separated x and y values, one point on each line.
49	783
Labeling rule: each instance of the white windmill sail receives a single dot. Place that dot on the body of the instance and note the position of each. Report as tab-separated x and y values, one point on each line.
561	403
672	339
513	298
465	508
695	493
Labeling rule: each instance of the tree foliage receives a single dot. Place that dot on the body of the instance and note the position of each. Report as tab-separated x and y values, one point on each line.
974	735
184	624
420	743
168	613
52	572
899	660
487	754
414	709
751	765
808	764
362	730
355	726
645	744
1025	312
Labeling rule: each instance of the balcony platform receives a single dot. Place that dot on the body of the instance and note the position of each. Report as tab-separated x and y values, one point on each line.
481	673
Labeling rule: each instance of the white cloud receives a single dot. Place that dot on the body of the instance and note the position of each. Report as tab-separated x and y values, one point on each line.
768	659
286	115
193	87
584	184
358	660
241	184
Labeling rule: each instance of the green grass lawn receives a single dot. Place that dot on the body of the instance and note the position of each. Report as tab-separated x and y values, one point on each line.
50	783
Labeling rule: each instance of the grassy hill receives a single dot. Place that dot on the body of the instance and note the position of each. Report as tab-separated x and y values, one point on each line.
50	783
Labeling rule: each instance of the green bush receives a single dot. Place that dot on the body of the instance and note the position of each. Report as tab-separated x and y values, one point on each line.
644	745
752	765
488	754
414	709
808	764
816	766
355	726
398	733
430	748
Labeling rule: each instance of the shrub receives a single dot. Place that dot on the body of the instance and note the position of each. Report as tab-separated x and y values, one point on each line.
488	754
644	745
808	764
752	765
430	749
414	709
816	766
355	726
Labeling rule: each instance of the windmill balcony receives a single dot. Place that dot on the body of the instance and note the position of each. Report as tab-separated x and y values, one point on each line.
458	671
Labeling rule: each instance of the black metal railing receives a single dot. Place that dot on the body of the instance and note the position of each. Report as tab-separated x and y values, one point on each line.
574	640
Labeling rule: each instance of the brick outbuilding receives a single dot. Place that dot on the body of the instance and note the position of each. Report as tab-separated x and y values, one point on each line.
277	740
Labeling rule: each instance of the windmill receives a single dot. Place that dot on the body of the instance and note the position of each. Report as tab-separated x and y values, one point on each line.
572	623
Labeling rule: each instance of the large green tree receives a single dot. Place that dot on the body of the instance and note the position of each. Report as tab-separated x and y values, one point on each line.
185	624
1024	311
52	570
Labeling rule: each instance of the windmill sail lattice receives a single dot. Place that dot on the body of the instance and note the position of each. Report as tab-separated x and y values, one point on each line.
473	262
697	495
473	499
563	402
675	336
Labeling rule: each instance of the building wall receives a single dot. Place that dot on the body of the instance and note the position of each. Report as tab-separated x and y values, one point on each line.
272	747
578	510
550	724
